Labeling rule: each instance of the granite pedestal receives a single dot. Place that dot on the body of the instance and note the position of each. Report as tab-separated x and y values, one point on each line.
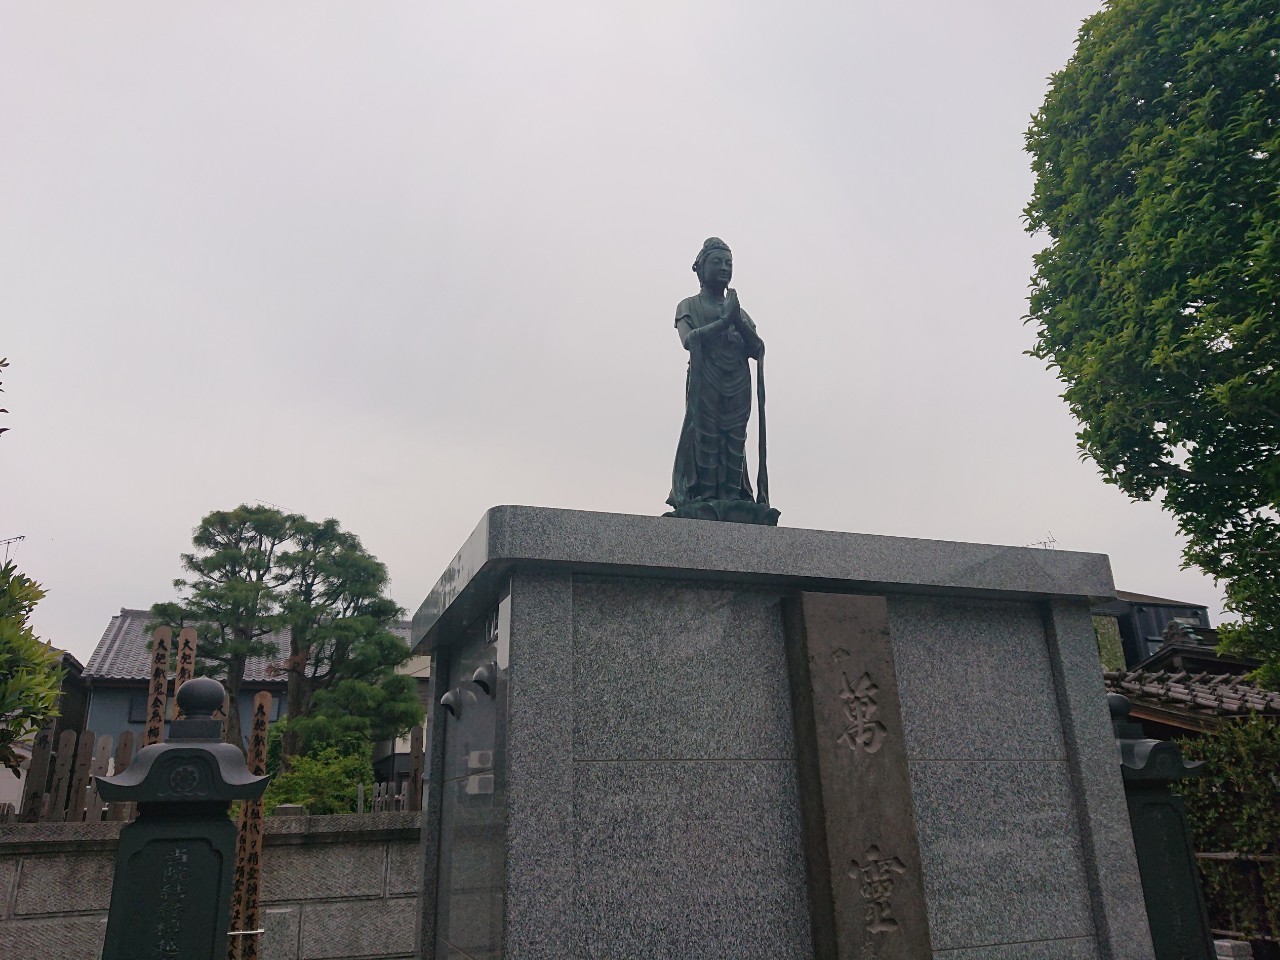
677	738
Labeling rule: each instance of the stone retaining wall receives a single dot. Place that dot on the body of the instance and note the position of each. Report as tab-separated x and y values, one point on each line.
333	888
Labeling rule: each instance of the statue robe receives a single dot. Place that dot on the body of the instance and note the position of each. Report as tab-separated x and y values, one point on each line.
711	461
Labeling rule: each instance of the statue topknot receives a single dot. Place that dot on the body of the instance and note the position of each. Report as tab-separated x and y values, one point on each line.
711	243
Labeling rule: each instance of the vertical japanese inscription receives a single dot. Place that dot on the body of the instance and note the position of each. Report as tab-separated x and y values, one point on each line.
172	900
865	873
242	944
158	686
186	659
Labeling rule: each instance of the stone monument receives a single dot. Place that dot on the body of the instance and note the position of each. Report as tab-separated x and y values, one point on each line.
171	896
730	740
723	740
1162	838
710	479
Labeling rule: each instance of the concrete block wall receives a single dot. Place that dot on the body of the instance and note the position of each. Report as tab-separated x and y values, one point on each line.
340	888
333	888
55	887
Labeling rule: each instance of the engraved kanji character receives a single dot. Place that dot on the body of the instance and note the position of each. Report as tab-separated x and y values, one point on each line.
864	732
875	876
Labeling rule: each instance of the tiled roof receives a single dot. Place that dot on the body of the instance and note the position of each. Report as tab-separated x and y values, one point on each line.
1215	695
122	652
1147	599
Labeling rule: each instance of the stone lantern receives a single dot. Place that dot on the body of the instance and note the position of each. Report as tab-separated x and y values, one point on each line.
171	898
1166	858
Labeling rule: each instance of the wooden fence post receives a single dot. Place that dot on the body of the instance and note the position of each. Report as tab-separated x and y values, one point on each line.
122	810
98	768
37	782
80	778
61	776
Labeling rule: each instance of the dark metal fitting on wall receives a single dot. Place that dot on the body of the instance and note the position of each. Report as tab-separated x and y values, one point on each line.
452	701
486	678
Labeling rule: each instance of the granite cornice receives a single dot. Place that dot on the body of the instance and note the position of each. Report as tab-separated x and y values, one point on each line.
787	557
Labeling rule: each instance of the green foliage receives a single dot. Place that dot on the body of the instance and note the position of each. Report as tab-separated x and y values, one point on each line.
326	782
230	596
1157	162
29	675
258	570
1110	646
361	709
275	735
342	679
1235	807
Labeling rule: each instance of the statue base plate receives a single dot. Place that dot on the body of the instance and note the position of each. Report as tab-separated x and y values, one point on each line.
730	511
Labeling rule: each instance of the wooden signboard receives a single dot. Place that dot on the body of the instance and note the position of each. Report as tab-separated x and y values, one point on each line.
242	940
158	688
186	661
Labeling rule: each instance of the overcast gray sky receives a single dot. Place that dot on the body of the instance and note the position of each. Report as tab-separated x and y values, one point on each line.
398	262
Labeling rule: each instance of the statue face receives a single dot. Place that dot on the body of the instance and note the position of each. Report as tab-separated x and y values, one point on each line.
717	269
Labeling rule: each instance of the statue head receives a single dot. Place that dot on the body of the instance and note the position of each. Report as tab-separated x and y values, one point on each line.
714	255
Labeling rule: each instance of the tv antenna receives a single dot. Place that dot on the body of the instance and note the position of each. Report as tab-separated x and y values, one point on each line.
10	545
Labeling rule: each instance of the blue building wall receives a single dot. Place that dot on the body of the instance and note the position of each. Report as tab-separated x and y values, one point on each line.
109	710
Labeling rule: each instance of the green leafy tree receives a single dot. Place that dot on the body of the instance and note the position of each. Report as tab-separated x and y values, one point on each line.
1157	299
341	668
231	595
361	708
1234	807
29	675
326	782
258	570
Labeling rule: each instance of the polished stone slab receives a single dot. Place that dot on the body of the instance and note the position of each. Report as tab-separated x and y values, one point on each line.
969	671
1076	948
1111	865
541	872
674	671
610	543
688	859
1002	856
